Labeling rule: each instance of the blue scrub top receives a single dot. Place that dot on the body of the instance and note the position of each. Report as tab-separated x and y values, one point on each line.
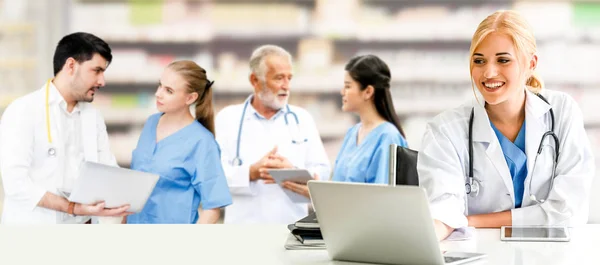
516	159
367	162
189	164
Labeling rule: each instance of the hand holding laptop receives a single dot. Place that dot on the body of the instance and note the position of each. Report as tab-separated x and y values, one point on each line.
99	210
102	190
96	209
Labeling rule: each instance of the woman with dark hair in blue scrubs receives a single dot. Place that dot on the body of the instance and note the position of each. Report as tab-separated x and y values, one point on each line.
364	155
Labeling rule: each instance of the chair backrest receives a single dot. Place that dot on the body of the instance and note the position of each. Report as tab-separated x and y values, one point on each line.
403	166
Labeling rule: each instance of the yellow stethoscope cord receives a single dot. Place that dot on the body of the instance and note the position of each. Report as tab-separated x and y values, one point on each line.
48	110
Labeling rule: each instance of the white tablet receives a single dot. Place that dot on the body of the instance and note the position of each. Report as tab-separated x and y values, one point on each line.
535	233
301	176
113	185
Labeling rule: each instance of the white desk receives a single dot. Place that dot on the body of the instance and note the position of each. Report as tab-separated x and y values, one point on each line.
238	244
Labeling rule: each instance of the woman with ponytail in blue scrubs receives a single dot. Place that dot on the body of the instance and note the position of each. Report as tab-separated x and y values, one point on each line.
183	151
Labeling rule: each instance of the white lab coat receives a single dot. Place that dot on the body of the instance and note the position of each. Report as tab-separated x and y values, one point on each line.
27	170
256	202
443	165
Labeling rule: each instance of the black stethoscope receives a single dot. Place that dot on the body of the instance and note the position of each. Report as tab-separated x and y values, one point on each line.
237	161
472	186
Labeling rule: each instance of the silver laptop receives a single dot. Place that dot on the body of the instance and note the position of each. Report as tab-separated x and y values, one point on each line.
113	185
377	223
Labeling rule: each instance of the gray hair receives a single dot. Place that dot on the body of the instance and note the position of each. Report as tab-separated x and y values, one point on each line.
257	60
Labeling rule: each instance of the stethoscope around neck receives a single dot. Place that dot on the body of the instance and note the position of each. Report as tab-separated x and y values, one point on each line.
237	161
51	149
473	186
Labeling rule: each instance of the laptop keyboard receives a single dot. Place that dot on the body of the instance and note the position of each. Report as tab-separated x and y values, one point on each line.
452	259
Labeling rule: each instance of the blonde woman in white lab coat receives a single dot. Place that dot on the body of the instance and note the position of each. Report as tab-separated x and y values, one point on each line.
45	135
510	183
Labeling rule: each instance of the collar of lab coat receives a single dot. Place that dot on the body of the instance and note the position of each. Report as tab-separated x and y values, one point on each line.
535	108
88	122
55	98
252	113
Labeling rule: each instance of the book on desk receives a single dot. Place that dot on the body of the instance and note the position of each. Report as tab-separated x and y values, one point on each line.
309	221
305	234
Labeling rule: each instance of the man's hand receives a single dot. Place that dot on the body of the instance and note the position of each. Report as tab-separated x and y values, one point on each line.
99	210
255	173
301	189
278	161
274	161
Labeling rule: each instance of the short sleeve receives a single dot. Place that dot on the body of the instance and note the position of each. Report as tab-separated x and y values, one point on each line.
209	178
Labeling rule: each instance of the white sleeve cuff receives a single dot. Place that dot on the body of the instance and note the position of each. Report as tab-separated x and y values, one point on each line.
35	196
239	182
448	213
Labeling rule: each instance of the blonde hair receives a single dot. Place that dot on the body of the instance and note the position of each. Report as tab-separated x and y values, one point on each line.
513	25
197	81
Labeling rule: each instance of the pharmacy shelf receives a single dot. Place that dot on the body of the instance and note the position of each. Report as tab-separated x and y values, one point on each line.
297	88
7	27
17	63
305	3
396	5
216	45
243	46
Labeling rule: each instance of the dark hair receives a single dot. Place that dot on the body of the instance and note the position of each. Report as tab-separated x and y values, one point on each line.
370	70
80	46
197	81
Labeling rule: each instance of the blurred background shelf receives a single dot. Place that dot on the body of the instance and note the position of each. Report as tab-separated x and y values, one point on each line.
425	43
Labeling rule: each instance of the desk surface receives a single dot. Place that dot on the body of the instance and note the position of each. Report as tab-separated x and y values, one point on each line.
244	244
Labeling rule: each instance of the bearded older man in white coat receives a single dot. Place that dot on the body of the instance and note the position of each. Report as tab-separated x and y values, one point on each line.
265	132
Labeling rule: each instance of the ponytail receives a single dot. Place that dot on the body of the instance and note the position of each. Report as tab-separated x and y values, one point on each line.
197	82
535	83
204	109
385	108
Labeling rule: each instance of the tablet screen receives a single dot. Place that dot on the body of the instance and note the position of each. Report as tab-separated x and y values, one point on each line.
535	232
295	175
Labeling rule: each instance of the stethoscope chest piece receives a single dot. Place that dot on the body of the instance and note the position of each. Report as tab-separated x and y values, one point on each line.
51	152
237	161
472	189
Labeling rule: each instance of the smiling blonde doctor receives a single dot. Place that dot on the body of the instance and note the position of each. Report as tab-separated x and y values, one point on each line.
45	135
521	157
266	132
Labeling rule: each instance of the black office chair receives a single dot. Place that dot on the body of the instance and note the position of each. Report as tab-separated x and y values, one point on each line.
403	166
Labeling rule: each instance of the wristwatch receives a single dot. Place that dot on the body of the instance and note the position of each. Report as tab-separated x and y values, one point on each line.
71	209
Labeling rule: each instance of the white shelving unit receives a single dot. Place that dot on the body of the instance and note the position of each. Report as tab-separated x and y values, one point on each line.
425	44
